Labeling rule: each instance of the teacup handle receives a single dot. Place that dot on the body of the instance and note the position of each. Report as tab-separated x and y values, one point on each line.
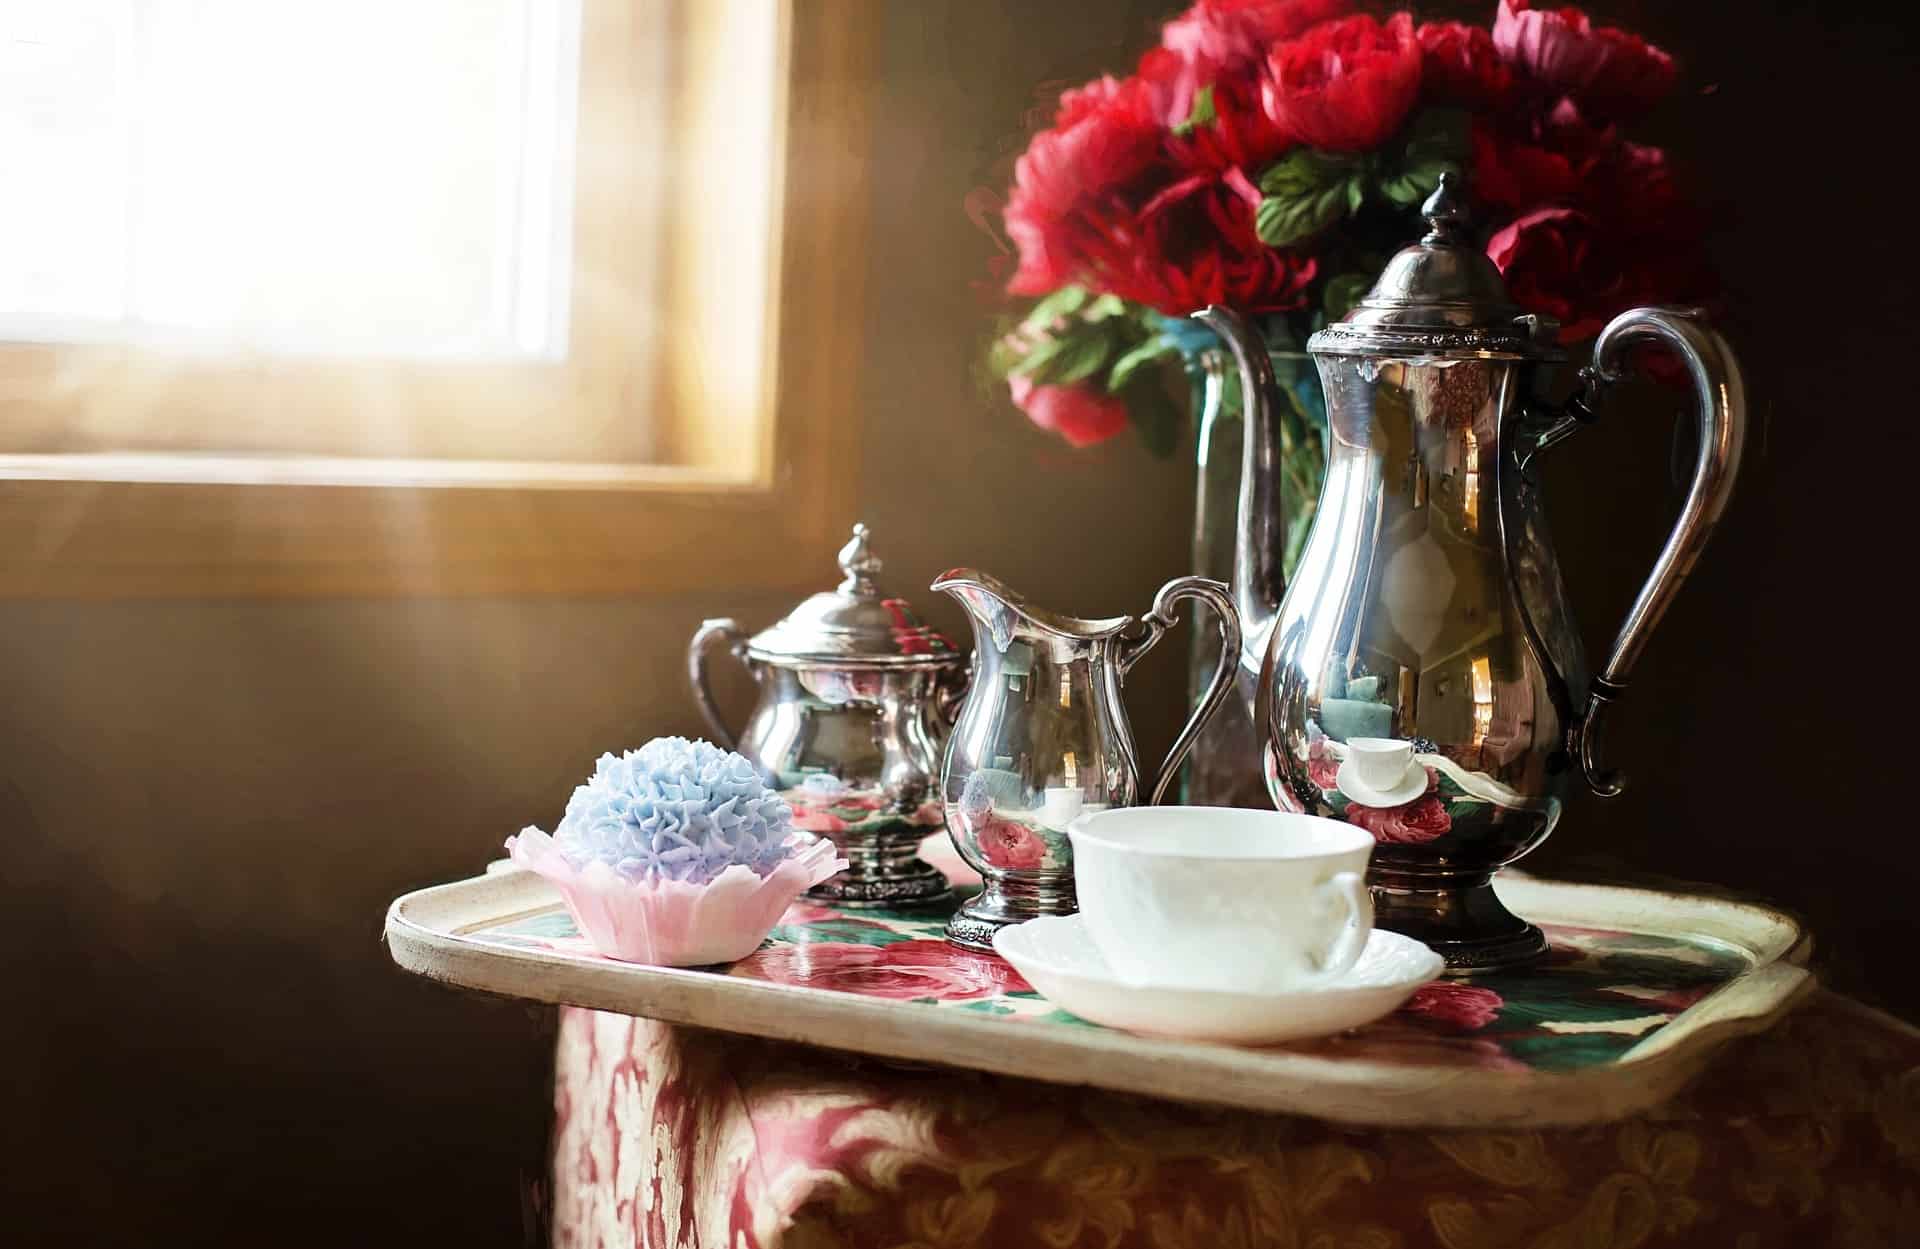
1348	891
1163	617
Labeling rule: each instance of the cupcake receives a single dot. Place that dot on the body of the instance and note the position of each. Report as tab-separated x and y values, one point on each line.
676	854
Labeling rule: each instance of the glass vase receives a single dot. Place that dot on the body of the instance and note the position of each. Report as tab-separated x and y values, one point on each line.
1224	769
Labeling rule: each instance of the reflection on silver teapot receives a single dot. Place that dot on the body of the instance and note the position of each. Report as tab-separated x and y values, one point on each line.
1042	737
1422	677
851	723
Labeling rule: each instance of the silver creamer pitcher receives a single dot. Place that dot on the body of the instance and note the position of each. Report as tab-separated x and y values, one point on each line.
1422	677
1043	737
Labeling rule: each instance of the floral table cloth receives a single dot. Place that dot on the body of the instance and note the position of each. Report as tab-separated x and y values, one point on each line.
671	1136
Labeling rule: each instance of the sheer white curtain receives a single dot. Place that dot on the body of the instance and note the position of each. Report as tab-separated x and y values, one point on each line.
366	177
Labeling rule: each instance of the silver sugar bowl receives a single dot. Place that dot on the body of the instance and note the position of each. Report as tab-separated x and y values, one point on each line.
856	696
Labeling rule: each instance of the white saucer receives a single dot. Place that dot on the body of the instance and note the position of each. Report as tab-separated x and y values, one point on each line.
1058	957
1411	786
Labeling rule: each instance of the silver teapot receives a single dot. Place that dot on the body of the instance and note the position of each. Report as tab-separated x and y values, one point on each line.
855	703
1422	676
1043	738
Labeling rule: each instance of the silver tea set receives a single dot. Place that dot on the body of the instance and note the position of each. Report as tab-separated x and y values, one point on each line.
1420	678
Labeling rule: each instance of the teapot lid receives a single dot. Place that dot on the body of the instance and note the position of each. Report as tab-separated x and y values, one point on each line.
1441	296
854	625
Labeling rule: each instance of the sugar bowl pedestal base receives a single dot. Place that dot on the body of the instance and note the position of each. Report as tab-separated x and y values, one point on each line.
1457	914
882	873
1005	901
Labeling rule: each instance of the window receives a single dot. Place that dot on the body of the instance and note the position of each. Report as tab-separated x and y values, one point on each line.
356	295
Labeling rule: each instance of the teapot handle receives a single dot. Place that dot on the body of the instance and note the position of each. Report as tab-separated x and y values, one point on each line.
703	639
1720	393
1165	616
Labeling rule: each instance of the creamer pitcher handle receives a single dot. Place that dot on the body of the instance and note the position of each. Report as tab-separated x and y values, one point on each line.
1162	618
703	639
1721	397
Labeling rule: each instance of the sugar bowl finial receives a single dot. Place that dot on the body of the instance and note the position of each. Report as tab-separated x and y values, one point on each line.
1446	211
860	565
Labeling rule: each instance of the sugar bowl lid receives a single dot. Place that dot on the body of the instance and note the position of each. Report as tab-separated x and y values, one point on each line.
854	625
1442	296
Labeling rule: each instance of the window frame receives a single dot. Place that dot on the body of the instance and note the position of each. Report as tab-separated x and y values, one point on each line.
761	478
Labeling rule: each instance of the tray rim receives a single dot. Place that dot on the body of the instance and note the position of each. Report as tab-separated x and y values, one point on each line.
427	932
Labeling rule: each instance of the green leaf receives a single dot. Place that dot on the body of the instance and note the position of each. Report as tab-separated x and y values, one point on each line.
1306	171
1005	354
837	931
1342	293
1307	191
1440	133
1439	140
1052	308
1155	415
1413	183
1152	351
1201	114
1073	356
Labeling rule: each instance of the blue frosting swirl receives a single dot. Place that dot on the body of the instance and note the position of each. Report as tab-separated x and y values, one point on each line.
676	809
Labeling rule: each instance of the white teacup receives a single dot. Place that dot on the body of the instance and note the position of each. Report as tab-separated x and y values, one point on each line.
1381	763
1221	897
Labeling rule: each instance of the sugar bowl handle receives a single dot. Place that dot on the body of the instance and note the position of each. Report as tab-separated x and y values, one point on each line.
1720	395
1163	617
703	640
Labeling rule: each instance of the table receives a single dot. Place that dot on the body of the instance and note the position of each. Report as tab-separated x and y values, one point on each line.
675	1136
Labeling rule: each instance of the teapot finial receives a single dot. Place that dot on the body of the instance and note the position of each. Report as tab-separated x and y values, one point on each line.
1446	211
860	565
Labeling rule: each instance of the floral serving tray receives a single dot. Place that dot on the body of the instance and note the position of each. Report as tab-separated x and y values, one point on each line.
1637	991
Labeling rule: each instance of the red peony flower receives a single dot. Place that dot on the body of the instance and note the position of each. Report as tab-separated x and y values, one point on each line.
1460	64
1566	264
1410	823
1345	85
1614	71
1226	37
1009	844
901	970
1241	136
1194	244
1543	161
1466	1007
1104	137
1079	413
1633	184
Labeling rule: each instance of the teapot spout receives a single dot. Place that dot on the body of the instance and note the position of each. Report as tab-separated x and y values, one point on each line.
1260	535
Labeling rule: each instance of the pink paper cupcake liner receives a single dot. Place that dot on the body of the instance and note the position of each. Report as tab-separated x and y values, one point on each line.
672	923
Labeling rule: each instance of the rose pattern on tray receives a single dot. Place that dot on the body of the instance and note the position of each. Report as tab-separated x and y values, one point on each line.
1595	997
911	970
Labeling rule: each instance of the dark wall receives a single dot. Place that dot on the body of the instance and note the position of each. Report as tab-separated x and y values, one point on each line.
1778	673
207	805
